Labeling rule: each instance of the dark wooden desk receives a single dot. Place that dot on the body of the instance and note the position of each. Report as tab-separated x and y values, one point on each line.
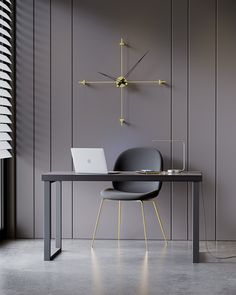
59	177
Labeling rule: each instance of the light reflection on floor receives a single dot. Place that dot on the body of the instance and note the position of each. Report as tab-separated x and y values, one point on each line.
98	276
97	282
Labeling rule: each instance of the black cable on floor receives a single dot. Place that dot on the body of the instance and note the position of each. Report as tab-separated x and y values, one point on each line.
205	231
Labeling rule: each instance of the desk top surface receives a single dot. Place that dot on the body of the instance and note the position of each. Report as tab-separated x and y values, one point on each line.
122	176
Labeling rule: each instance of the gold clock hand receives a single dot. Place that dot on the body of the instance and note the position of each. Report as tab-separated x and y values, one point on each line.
108	76
131	70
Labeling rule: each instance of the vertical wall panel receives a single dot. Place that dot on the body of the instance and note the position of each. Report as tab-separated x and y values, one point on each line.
97	31
179	112
226	110
202	102
25	119
42	105
61	100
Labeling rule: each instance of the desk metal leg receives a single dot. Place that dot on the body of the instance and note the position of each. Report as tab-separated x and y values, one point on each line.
58	214
47	220
195	221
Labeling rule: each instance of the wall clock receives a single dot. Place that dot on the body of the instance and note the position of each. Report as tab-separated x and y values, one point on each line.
122	81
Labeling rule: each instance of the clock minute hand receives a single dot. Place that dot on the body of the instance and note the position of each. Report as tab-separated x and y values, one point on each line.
135	65
108	76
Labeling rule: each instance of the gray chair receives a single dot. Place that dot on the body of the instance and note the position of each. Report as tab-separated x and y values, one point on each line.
134	159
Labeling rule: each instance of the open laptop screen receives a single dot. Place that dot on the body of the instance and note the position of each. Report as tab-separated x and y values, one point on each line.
89	160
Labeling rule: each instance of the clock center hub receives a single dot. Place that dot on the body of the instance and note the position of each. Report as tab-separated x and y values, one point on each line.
121	82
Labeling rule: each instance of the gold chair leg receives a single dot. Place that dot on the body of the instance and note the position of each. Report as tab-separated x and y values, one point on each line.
160	222
144	225
96	225
119	219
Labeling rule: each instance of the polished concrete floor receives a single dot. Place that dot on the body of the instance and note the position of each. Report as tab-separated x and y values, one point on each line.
109	269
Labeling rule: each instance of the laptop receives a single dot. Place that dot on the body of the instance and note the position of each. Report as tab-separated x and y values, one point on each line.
89	160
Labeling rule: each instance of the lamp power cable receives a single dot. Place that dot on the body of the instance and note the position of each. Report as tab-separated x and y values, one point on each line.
205	231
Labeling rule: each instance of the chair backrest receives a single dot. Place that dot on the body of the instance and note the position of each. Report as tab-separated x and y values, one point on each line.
136	159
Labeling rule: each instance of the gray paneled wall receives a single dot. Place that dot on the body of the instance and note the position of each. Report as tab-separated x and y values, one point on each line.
192	46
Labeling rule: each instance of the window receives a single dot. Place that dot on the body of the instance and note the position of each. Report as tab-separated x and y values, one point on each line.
6	93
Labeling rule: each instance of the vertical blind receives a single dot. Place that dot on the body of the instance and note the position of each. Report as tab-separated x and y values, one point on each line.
6	72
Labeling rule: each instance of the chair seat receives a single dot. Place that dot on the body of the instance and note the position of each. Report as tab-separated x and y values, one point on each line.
113	194
132	160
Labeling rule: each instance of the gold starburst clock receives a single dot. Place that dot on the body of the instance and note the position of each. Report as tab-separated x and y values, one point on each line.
122	81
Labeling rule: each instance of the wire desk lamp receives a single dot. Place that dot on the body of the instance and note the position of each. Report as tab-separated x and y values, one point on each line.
175	171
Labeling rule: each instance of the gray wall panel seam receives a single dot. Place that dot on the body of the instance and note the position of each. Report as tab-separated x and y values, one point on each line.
16	42
188	80
72	114
33	119
216	110
50	83
171	115
13	205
